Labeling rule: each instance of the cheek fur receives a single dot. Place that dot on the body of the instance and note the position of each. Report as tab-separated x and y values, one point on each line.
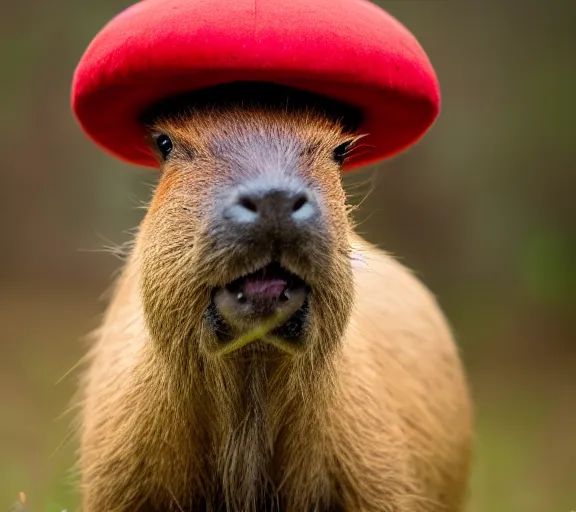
329	185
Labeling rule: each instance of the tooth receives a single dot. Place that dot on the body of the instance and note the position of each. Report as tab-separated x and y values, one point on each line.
286	295
240	297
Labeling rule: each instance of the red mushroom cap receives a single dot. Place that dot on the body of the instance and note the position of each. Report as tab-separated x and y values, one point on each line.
348	50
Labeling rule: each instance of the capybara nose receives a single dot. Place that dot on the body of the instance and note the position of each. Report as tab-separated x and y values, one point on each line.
268	206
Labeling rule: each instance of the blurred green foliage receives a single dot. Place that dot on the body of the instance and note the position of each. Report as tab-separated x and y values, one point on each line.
482	208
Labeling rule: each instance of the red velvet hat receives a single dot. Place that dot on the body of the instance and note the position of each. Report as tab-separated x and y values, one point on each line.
347	50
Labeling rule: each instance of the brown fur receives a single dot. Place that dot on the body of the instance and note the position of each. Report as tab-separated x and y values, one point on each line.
372	416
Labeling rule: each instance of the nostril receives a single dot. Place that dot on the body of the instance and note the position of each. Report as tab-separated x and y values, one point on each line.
301	200
303	207
249	204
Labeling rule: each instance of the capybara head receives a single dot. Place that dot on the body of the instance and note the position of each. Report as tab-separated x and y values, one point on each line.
246	244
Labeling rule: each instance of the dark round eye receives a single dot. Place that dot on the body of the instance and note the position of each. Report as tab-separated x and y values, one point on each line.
340	152
164	145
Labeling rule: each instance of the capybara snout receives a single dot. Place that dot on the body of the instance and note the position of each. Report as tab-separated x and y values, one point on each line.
268	211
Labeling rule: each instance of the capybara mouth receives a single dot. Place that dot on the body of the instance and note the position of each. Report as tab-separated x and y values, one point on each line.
266	287
270	305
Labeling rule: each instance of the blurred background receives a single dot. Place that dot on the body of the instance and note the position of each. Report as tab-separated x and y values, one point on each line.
483	209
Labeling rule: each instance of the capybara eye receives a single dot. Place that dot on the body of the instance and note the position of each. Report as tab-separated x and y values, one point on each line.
340	152
164	145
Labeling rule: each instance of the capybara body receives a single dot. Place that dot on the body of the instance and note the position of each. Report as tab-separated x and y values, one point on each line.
357	403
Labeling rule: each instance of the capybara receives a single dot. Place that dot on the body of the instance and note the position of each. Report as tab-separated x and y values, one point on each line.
257	354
